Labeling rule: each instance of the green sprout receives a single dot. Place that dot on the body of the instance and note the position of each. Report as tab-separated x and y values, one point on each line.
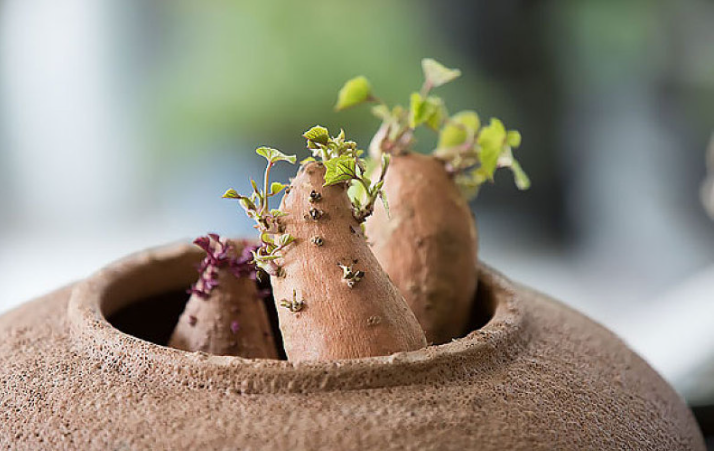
256	206
472	153
344	164
294	305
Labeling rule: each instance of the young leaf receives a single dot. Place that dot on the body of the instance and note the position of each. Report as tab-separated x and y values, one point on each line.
513	138
386	159
493	135
435	112
317	134
437	74
274	155
266	258
231	194
428	110
266	238
277	213
339	169
416	110
357	194
285	239
382	112
458	128
491	140
520	177
246	203
276	187
383	197
354	92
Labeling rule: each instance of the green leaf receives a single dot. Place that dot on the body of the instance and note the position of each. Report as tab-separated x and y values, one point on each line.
307	160
266	258
285	239
493	135
437	74
255	188
339	169
265	237
430	111
382	112
277	213
231	194
246	203
383	198
513	138
436	111
357	194
491	140
458	129
386	159
276	187
520	177
354	92
416	110
317	134
274	155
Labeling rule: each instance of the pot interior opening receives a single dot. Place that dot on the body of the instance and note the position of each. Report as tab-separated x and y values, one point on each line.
153	318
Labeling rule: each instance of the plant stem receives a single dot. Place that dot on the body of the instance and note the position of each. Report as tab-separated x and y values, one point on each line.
266	181
425	88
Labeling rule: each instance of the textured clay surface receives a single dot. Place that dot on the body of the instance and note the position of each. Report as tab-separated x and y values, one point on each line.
537	376
337	322
430	257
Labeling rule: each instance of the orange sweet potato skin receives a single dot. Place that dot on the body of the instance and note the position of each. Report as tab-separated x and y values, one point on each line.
232	320
428	245
336	321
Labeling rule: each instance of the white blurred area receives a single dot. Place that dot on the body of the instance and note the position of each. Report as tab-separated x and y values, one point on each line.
73	182
69	164
76	191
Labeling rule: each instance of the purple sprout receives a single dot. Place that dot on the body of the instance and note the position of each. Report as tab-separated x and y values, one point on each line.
219	255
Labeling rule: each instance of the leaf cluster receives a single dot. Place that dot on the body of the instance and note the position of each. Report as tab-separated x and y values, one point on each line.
256	206
344	164
472	153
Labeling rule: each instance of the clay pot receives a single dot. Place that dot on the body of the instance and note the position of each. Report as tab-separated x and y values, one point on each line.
81	369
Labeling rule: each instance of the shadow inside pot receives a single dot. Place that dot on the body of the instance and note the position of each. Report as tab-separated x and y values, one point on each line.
153	318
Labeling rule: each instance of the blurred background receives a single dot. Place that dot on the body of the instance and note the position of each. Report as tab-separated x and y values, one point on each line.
122	123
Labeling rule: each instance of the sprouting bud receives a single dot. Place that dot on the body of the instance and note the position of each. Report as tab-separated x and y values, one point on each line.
350	275
293	305
315	214
315	196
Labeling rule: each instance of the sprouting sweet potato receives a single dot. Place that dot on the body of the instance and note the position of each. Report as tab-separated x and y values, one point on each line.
333	298
225	314
428	243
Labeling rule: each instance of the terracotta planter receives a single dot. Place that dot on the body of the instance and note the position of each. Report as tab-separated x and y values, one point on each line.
536	375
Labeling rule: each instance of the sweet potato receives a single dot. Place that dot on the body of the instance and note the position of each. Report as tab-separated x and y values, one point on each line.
333	298
225	314
428	243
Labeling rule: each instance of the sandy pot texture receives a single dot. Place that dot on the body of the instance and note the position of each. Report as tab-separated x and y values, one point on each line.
86	367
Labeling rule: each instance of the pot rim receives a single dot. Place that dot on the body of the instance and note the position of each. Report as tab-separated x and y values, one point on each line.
172	267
